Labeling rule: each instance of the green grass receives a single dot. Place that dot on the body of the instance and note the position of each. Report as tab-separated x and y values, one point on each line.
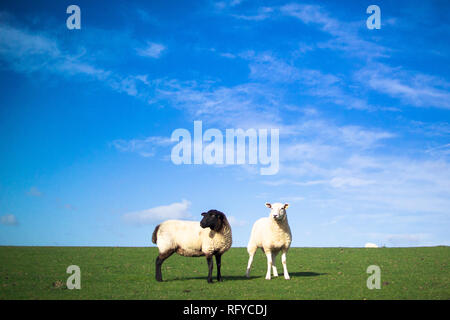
316	273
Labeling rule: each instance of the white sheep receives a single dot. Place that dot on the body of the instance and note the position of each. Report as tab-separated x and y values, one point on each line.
370	245
211	237
272	234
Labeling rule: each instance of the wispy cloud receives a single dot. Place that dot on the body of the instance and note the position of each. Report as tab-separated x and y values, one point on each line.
322	137
247	104
412	88
228	55
64	205
264	66
176	210
151	50
442	150
333	89
344	34
28	51
262	14
403	185
364	138
292	199
146	147
25	51
9	220
328	87
221	5
400	239
34	192
339	182
430	129
235	222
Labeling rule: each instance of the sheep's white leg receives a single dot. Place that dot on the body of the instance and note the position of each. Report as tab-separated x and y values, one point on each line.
274	267
249	265
283	261
269	264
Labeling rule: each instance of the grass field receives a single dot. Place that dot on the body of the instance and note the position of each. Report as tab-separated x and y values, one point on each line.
316	273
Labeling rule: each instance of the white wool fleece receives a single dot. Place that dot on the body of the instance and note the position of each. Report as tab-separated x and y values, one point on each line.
189	239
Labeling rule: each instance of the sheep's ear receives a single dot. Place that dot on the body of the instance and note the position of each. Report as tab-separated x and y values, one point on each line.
268	205
286	205
204	213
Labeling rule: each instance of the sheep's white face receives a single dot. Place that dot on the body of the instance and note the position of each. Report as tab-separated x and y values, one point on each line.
277	210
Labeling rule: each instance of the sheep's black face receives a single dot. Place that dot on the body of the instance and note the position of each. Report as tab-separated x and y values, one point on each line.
212	219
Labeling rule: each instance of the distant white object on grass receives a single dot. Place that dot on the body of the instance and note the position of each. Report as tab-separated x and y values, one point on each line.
370	245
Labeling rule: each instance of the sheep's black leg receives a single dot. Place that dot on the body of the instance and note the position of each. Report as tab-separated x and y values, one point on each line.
218	263
159	261
209	259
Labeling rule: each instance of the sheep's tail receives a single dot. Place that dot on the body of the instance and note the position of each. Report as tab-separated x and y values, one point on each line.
154	235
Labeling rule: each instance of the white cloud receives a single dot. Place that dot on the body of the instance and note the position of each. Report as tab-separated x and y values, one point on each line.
146	147
221	5
235	2
176	210
310	14
9	220
345	34
400	239
34	192
228	55
412	88
263	14
152	50
234	222
292	199
331	88
265	66
319	138
244	105
339	182
306	151
28	51
430	129
357	136
19	47
439	151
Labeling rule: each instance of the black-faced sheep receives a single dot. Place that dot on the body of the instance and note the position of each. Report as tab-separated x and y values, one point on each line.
273	235
211	237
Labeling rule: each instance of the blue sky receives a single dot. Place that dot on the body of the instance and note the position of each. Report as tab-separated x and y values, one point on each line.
86	118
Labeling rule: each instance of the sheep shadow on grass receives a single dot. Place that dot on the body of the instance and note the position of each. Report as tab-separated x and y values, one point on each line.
225	278
306	274
291	274
243	277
